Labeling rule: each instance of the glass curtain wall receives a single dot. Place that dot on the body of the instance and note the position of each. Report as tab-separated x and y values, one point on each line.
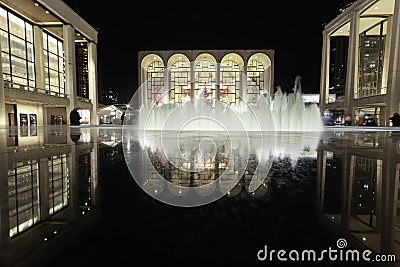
82	71
205	73
54	67
180	82
230	83
255	80
16	37
372	48
155	82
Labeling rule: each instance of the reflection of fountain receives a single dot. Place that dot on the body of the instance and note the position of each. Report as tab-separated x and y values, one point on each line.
182	167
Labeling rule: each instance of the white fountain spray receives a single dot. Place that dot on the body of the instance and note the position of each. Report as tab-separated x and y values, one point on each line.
281	112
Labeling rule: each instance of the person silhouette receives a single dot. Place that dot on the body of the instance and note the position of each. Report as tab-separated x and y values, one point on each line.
395	119
74	117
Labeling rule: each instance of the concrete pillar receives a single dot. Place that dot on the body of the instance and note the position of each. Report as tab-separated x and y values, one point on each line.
70	66
243	84
218	82
352	66
324	90
93	84
192	79
393	86
3	115
167	79
39	58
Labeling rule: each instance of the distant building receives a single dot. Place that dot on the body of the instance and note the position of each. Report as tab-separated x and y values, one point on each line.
360	61
109	97
314	98
48	64
111	114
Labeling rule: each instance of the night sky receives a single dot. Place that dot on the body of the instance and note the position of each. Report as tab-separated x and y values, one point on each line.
292	28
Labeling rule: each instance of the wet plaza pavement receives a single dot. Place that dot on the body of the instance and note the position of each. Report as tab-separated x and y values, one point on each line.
69	199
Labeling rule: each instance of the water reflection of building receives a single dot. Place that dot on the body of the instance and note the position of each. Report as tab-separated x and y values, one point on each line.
48	189
49	56
360	58
359	188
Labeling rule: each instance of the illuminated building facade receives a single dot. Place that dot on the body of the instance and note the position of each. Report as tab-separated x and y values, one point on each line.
48	64
224	75
361	61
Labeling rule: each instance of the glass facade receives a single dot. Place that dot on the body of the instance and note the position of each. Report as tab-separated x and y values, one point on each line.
255	80
82	72
360	62
338	65
178	78
230	83
17	52
155	81
204	72
372	48
54	66
180	82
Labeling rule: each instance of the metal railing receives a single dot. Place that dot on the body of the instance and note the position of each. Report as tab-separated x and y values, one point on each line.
26	88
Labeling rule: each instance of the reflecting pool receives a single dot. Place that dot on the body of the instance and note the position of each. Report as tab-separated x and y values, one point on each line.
96	196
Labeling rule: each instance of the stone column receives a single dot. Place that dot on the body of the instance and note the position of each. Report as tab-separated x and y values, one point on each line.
243	84
324	90
393	86
352	66
167	79
218	82
70	66
3	115
192	79
39	72
93	84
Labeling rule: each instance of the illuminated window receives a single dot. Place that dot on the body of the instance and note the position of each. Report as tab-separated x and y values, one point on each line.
82	71
230	83
205	72
16	37
54	66
372	48
255	80
180	82
155	82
